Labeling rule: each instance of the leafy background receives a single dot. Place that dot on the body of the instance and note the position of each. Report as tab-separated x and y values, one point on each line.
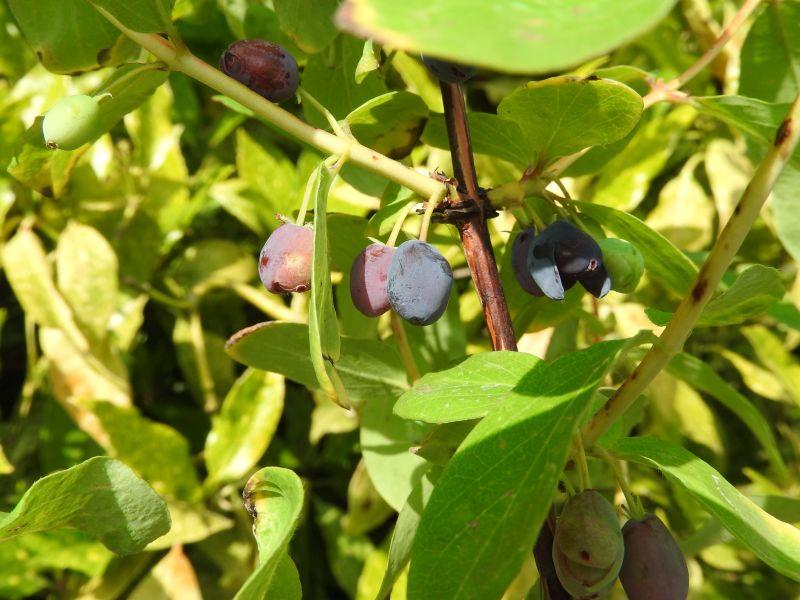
127	265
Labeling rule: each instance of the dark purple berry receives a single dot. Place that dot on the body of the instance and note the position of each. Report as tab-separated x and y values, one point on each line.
265	67
654	567
419	282
519	261
284	264
368	277
576	251
449	72
562	255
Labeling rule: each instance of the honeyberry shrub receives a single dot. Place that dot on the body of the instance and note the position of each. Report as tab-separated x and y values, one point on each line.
150	380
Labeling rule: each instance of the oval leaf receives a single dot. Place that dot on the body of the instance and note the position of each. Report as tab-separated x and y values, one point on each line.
518	37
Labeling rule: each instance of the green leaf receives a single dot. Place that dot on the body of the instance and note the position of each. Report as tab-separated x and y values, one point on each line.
323	325
69	35
244	427
773	541
87	273
146	16
684	213
190	523
101	497
486	509
625	179
469	390
210	264
274	497
489	135
309	23
130	86
154	450
29	273
405	530
773	354
548	119
369	61
562	115
757	119
701	376
786	209
268	172
518	37
753	293
663	261
770	57
390	124
369	368
330	77
386	441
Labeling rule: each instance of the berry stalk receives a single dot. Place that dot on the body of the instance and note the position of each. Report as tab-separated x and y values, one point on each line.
691	307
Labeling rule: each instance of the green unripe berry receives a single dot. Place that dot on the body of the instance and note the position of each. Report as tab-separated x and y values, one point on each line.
624	263
71	123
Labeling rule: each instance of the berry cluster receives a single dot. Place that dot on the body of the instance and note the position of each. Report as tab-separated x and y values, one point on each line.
590	552
562	255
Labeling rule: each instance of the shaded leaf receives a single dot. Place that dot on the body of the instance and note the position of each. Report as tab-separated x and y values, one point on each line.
770	57
101	497
469	390
390	123
486	509
309	23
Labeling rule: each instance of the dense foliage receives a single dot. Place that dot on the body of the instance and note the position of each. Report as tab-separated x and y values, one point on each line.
172	429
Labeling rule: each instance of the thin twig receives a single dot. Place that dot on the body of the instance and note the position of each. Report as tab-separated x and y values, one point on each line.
398	224
689	310
662	91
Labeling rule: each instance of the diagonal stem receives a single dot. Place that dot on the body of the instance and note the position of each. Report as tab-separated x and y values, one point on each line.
689	310
195	68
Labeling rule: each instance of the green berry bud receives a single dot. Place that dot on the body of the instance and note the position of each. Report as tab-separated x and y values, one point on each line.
71	123
588	548
624	263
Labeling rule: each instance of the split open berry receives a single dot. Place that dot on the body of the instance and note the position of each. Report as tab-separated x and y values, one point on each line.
419	282
654	567
265	67
285	261
624	262
562	255
449	72
72	122
368	279
588	549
